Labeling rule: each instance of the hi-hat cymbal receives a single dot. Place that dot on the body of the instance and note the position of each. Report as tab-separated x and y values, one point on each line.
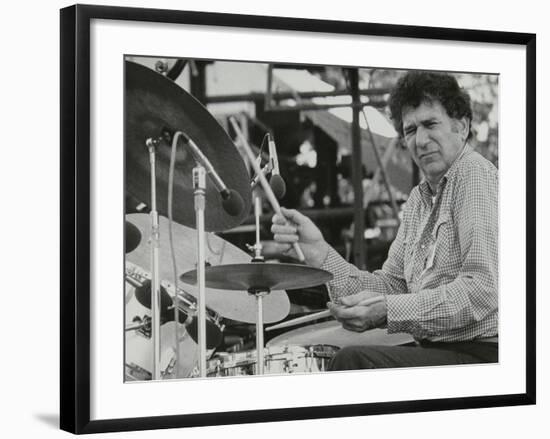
156	105
259	276
234	305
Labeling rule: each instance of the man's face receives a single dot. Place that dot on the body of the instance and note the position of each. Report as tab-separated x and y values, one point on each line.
433	138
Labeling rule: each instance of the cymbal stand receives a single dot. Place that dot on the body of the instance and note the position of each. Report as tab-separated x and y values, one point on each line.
199	187
155	274
257	247
258	292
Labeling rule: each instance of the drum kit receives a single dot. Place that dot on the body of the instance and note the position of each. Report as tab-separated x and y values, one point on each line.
183	282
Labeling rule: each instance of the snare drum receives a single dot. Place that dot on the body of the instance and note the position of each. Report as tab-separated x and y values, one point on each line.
298	359
332	333
278	360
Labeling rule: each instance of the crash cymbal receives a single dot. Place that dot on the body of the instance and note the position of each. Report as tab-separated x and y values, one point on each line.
234	305
156	107
260	276
132	237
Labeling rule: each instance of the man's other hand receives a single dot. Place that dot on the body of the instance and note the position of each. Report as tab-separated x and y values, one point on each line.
360	312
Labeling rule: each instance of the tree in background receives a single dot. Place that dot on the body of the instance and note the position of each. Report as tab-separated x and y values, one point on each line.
483	90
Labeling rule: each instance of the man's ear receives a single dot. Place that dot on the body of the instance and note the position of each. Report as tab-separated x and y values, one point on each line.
462	127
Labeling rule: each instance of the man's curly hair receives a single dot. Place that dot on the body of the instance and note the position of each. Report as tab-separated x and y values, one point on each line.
417	87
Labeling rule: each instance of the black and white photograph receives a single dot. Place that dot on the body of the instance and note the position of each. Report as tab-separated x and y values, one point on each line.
269	219
296	218
275	220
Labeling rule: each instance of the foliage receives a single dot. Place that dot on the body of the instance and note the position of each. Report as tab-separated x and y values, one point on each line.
483	90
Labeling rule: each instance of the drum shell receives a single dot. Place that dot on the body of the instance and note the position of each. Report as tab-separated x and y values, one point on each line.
138	347
277	360
299	359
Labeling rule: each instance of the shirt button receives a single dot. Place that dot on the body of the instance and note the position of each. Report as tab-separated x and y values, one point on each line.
423	246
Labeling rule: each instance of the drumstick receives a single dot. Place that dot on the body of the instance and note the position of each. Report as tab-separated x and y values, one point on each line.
263	181
297	321
319	315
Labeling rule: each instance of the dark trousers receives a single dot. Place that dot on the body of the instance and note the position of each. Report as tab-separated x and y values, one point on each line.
425	354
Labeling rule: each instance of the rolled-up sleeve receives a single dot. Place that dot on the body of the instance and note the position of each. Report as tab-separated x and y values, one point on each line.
348	279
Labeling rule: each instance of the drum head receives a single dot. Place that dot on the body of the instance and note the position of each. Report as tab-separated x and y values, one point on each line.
332	333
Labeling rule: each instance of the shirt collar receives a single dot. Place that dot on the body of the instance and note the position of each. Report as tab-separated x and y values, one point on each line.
424	187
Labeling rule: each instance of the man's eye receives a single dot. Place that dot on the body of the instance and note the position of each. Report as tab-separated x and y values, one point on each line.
409	131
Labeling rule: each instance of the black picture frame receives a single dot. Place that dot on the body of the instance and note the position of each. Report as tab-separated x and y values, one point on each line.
75	217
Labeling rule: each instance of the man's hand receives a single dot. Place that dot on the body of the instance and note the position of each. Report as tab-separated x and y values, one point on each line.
361	311
295	227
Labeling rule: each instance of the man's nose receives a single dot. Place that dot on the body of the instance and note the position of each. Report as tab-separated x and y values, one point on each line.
421	137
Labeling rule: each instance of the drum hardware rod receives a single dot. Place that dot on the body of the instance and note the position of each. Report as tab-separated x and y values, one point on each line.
257	213
258	258
134	282
260	334
136	326
199	186
181	307
259	328
155	277
263	181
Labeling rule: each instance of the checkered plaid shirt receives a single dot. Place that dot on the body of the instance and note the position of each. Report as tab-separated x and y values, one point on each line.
441	275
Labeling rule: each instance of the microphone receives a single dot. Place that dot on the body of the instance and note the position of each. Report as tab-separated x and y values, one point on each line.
276	181
232	201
